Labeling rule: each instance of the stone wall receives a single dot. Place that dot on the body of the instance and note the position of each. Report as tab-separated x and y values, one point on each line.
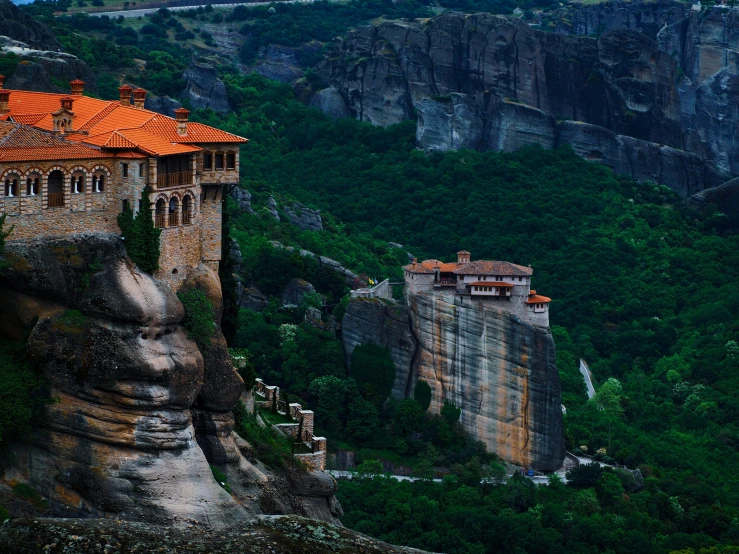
380	290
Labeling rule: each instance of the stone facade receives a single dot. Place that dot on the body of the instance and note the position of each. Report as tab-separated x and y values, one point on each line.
72	195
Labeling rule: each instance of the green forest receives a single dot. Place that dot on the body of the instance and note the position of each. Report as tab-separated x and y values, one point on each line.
643	288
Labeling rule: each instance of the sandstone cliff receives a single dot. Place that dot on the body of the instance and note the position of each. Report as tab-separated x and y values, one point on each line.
498	369
493	83
139	411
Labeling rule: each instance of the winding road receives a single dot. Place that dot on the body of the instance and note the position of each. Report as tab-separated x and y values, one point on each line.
585	371
142	12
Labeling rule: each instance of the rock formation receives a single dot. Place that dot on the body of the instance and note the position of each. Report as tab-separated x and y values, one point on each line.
498	369
204	89
264	535
493	83
303	217
18	26
140	409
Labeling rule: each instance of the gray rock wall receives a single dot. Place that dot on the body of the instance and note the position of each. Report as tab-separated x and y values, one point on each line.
493	83
498	369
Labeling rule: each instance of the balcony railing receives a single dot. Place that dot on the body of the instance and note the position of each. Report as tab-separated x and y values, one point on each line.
174	179
56	199
159	221
173	219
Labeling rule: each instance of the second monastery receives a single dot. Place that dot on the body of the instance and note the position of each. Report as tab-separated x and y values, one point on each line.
70	164
507	284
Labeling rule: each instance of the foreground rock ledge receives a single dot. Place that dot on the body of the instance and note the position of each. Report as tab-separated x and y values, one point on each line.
267	534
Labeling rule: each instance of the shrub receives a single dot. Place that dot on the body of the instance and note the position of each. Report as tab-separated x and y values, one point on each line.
450	412
374	371
199	314
584	476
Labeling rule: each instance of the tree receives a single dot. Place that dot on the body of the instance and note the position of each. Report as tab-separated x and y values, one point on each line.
140	235
422	394
450	412
370	468
608	400
362	421
585	475
407	419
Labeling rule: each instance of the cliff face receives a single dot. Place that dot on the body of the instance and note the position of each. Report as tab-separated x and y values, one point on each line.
498	369
139	411
493	83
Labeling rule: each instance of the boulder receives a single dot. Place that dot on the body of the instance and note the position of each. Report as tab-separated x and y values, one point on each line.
162	104
242	197
330	102
272	208
303	217
294	292
16	25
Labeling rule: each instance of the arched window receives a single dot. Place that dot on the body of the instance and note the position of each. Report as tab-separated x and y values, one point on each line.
98	182
56	185
77	183
33	184
160	213
174	205
219	160
207	161
187	210
11	186
230	160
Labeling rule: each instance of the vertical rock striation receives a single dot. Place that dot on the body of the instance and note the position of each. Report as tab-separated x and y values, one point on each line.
500	370
653	97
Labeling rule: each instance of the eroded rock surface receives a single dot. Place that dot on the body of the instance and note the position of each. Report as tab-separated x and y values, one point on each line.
493	83
204	89
265	535
141	411
500	370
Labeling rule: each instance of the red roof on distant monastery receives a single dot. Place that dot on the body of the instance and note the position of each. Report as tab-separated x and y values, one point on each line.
492	267
537	299
490	284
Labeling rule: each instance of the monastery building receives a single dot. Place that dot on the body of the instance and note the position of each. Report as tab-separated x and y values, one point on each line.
507	284
70	164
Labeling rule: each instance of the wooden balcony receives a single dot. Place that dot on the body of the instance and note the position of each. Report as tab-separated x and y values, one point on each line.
159	221
56	199
168	180
186	218
173	219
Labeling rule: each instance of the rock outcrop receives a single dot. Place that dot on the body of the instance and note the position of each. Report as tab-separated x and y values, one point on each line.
204	89
493	83
372	321
140	409
303	217
500	370
265	535
18	26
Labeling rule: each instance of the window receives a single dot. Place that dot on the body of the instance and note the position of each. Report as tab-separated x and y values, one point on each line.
208	161
230	160
126	205
142	170
77	184
124	168
32	186
219	160
98	183
11	187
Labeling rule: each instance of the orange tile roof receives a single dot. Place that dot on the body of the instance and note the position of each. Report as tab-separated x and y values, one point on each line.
491	267
29	119
536	299
431	264
418	268
448	267
491	284
95	119
196	132
68	152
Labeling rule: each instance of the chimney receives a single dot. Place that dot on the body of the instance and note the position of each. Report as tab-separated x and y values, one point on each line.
415	262
463	257
139	97
77	86
4	101
125	95
2	80
67	103
181	114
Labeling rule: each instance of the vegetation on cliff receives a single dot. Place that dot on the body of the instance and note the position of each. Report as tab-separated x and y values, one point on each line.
140	234
644	290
